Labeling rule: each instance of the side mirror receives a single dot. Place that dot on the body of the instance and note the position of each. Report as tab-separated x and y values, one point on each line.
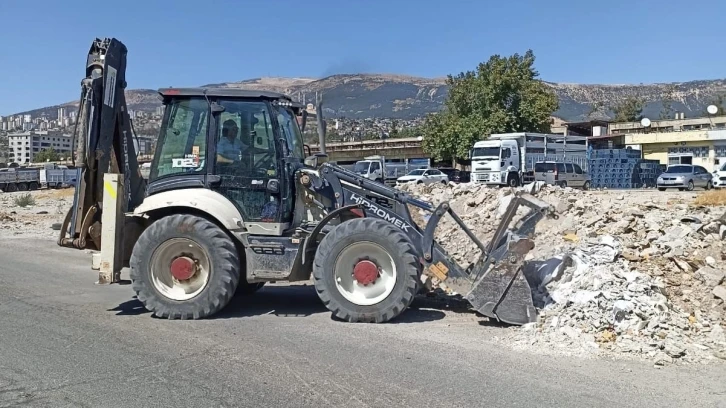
309	151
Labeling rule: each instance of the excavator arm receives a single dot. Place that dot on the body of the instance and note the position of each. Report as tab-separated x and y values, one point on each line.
104	143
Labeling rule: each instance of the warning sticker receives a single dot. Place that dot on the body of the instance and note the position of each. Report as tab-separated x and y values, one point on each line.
110	94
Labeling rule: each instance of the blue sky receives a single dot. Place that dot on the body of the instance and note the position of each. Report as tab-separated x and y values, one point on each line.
43	43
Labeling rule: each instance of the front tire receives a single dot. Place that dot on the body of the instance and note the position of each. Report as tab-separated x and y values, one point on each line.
366	270
513	180
184	267
690	186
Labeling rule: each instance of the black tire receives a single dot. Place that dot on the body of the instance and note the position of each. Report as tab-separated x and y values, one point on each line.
513	180
690	185
224	267
394	242
23	187
34	185
11	188
709	185
586	186
661	189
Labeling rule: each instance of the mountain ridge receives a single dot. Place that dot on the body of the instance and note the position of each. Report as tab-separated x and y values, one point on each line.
400	96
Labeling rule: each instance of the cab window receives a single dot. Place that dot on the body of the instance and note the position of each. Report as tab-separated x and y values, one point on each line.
290	130
182	144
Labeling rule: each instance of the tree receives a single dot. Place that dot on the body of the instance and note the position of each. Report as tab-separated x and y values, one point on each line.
47	155
667	110
501	95
628	110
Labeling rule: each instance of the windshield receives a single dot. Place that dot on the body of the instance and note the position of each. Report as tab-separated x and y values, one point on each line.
416	173
679	169
361	167
291	131
485	152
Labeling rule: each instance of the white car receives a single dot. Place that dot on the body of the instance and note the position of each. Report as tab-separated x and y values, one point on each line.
424	176
719	177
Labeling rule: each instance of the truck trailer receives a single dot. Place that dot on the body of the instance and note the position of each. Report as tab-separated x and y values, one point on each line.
508	159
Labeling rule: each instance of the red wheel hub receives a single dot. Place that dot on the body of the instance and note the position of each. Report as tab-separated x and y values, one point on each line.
365	272
183	268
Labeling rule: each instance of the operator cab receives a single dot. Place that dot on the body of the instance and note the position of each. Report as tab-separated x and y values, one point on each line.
245	145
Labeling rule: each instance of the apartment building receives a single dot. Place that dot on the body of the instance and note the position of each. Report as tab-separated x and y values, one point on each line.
22	147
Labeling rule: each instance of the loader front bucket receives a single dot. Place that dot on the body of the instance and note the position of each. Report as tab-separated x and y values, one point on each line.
501	290
496	285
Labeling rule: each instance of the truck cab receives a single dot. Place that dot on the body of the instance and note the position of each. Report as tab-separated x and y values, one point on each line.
495	162
372	168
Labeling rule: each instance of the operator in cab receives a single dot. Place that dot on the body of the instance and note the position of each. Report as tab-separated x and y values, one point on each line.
229	146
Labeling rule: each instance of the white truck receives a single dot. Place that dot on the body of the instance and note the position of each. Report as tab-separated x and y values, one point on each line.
375	168
507	159
372	168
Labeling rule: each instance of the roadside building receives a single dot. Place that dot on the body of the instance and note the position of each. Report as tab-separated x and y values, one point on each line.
700	141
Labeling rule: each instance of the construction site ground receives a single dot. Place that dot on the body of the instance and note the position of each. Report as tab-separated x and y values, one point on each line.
68	342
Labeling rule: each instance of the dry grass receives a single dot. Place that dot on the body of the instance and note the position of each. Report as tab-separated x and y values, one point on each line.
55	194
711	198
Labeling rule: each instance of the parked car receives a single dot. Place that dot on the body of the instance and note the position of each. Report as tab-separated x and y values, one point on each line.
424	176
718	180
562	174
456	175
685	177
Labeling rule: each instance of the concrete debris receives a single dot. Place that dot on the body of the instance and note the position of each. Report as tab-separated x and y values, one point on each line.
637	275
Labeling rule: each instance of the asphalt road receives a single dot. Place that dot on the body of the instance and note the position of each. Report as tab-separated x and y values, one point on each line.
66	342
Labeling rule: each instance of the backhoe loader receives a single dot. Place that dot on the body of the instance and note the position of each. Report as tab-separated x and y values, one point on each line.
233	201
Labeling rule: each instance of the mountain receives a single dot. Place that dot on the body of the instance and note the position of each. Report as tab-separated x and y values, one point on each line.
398	96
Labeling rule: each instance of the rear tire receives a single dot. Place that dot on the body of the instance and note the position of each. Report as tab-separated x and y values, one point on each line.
586	186
216	277
372	241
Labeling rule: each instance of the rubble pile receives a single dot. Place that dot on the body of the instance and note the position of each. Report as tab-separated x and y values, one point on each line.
639	273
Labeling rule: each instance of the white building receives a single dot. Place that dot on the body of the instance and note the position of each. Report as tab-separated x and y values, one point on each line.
24	146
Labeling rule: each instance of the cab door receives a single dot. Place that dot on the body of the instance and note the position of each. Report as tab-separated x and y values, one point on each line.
251	181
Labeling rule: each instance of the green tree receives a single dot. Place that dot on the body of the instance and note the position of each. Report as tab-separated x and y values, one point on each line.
501	95
47	155
628	110
667	110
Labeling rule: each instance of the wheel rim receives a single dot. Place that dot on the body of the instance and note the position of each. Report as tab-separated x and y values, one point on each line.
179	269
365	274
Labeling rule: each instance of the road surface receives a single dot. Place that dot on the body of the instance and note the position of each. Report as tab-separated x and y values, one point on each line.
66	342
